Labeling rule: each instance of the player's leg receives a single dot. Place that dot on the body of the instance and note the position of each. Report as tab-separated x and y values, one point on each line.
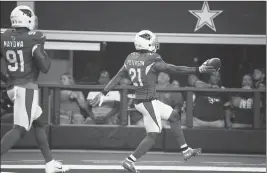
11	138
153	127
38	128
41	138
167	113
52	166
21	120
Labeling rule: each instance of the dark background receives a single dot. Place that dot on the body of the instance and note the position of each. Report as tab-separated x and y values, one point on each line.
161	17
6	8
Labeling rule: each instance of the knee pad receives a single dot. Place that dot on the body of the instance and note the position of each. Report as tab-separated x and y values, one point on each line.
175	117
21	130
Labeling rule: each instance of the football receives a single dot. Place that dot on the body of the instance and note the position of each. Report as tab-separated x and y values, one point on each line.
215	62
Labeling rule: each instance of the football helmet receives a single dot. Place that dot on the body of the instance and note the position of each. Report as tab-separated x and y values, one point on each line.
23	16
146	40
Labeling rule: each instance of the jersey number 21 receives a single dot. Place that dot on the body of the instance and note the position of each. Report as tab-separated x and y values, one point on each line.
136	76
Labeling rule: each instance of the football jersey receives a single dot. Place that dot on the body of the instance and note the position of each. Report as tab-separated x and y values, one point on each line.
17	49
139	67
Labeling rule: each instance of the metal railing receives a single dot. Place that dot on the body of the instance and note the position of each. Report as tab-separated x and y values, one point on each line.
124	90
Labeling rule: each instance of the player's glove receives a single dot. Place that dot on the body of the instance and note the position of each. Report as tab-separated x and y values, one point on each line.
98	100
204	68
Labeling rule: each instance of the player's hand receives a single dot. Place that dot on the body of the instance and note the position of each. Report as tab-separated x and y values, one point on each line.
98	100
204	68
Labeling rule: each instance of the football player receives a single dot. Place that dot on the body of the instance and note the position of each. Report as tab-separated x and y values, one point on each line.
143	67
23	49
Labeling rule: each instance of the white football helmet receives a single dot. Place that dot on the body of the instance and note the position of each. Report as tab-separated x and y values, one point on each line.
146	40
23	16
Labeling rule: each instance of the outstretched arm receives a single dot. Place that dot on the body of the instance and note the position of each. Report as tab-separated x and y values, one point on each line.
161	66
98	100
115	80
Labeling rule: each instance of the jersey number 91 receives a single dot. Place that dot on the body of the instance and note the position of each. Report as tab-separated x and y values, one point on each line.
15	58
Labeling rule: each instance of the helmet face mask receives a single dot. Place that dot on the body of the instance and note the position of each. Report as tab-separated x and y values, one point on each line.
146	40
23	16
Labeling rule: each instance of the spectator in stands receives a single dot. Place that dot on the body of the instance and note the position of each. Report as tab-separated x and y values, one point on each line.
259	82
259	78
241	107
108	112
173	99
175	83
71	103
104	77
209	107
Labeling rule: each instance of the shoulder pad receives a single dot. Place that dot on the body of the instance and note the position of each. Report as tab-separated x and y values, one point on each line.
131	55
155	57
37	36
5	32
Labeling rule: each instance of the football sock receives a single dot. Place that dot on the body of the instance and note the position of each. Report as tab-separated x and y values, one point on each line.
11	138
184	148
41	139
178	134
144	146
131	158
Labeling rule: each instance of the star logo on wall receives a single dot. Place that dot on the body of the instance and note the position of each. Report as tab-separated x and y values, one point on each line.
205	16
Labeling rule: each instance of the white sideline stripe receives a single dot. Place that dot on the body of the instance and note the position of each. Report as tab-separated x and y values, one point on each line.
127	152
223	162
157	168
144	161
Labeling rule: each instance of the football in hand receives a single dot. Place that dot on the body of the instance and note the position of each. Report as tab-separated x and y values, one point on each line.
215	62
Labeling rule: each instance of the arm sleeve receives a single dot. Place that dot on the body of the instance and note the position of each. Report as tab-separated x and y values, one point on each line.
41	58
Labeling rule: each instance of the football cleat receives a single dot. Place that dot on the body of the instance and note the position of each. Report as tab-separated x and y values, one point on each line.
55	166
191	153
129	166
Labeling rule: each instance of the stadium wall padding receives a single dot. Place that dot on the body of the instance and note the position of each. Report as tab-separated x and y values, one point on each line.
91	137
128	138
221	140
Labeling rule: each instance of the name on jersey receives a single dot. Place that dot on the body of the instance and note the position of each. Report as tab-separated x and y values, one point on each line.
13	44
135	63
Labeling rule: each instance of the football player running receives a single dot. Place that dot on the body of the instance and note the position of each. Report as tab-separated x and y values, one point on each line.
23	49
143	67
